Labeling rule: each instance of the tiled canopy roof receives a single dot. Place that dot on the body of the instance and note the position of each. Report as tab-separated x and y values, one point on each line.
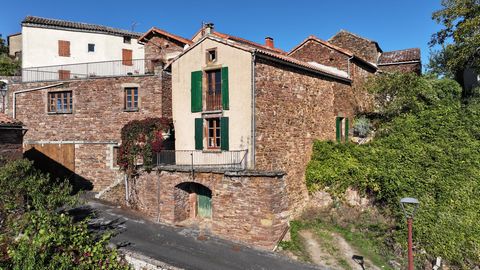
6	120
165	33
407	55
86	27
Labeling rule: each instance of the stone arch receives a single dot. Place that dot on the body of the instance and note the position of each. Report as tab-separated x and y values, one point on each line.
192	200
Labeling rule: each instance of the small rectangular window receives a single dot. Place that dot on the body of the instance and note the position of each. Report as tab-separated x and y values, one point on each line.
91	47
60	102
127	40
131	99
213	133
211	55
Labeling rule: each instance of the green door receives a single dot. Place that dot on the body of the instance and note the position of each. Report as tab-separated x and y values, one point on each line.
204	202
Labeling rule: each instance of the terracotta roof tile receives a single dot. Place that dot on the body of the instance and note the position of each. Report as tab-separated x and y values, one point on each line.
407	55
6	120
165	33
61	24
326	43
248	42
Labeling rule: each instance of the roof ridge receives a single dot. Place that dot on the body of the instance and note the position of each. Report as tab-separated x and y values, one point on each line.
56	22
253	43
166	33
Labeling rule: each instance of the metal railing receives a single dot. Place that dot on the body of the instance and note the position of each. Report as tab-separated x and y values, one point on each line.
235	160
214	102
88	70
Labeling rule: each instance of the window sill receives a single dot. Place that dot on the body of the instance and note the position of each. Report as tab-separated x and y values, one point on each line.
131	110
212	112
212	150
53	113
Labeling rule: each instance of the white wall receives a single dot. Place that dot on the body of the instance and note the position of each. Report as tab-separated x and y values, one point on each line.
40	47
239	114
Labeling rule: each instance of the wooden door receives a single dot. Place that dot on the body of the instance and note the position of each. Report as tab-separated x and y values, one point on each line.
56	159
204	202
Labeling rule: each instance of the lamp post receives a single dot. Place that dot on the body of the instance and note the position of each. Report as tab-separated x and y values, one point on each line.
3	92
359	259
409	206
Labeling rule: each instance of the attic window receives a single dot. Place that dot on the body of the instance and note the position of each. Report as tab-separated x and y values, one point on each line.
127	40
211	55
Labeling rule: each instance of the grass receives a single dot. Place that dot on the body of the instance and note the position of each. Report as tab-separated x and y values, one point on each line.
365	234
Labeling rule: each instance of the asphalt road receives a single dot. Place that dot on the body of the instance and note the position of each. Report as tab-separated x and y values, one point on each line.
182	247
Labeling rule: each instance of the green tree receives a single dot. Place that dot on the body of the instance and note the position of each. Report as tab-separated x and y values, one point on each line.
459	38
8	65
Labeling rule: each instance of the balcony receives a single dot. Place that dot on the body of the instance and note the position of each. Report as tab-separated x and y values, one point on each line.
197	159
116	68
213	101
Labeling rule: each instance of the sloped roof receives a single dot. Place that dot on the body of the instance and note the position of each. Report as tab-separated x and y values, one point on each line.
154	30
6	120
399	56
69	25
269	54
357	36
248	42
332	46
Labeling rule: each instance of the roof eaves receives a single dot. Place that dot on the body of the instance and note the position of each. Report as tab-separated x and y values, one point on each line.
165	33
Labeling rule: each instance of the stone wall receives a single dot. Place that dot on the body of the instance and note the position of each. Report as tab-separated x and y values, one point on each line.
359	46
11	139
161	49
96	120
292	109
248	207
404	68
314	51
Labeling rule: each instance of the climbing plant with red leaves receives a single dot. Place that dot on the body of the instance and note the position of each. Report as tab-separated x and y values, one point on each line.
141	139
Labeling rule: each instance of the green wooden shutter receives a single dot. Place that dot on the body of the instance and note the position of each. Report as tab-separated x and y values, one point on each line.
338	122
225	103
224	133
346	130
198	133
196	91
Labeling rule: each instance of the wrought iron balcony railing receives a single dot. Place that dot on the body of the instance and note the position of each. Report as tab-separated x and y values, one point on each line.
198	159
88	70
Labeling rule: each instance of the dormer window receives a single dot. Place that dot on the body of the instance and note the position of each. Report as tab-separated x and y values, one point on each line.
211	55
127	40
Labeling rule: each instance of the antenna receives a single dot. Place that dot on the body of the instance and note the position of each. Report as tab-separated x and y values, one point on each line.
134	24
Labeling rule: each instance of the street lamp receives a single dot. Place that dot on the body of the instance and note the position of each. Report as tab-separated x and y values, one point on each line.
409	206
3	92
359	259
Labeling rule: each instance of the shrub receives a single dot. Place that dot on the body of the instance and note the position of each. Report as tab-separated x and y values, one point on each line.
35	233
361	126
429	153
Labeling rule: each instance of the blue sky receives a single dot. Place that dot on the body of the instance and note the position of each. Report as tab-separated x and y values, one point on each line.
395	24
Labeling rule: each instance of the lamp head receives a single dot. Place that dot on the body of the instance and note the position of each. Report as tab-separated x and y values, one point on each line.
358	259
409	206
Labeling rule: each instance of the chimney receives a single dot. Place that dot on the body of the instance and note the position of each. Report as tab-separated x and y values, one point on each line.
208	28
269	42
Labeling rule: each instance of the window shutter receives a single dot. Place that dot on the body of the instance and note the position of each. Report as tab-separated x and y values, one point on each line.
196	91
225	103
346	129
127	57
64	48
198	133
338	122
224	133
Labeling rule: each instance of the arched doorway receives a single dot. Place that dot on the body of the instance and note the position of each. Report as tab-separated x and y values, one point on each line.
192	200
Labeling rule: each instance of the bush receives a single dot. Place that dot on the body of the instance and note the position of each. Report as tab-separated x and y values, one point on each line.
36	234
430	153
361	126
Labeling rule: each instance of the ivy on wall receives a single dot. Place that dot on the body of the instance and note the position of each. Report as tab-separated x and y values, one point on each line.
141	139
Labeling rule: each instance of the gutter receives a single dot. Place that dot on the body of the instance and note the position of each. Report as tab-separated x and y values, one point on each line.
14	105
252	158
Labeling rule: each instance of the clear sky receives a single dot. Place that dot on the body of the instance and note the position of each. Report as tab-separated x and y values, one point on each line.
394	24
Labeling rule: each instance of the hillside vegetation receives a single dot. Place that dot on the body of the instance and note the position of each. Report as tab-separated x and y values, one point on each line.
426	145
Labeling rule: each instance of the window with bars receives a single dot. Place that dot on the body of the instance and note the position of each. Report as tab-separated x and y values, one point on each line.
213	133
214	90
60	102
131	99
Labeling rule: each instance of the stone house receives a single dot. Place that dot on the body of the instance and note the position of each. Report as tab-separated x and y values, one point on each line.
55	49
76	122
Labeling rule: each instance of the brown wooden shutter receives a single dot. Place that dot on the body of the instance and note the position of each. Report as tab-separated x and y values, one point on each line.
64	48
63	74
127	57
